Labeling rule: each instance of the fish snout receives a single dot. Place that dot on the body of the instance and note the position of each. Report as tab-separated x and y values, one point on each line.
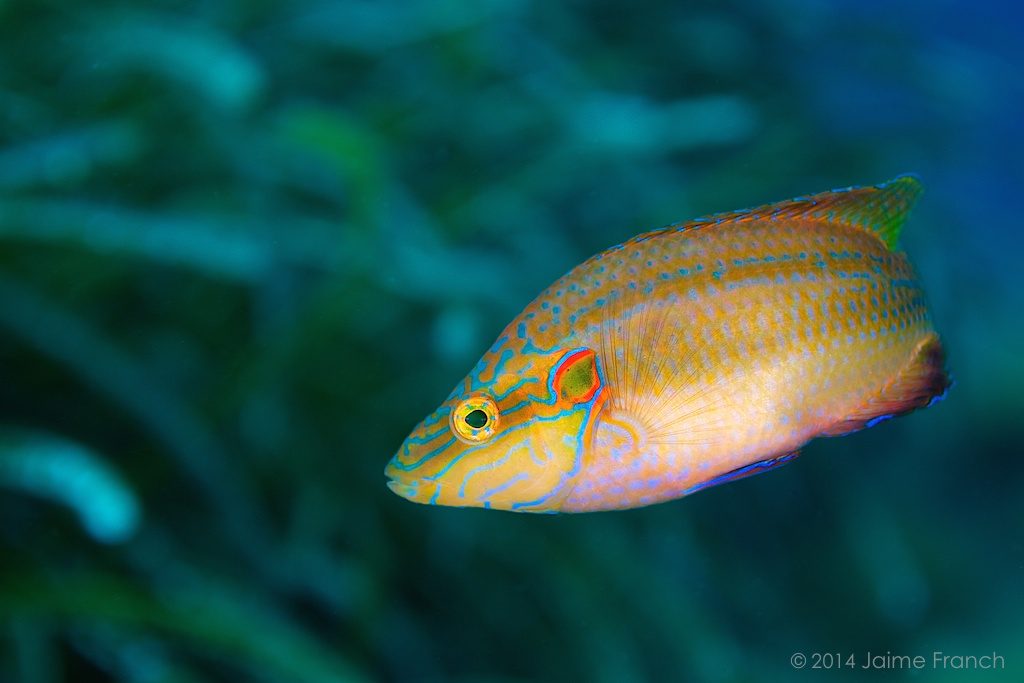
415	490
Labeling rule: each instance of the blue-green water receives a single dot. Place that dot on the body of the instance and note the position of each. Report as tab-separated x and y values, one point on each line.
245	247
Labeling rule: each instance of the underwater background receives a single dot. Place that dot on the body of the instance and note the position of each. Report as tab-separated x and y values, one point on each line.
246	246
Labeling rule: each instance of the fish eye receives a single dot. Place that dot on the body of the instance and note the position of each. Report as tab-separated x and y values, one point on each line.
475	419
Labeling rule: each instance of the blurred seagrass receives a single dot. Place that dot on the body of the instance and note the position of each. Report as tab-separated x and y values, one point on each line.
241	634
631	125
219	246
370	26
191	53
70	156
58	469
109	371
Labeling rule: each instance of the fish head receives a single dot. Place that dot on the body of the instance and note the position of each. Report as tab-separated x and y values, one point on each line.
511	436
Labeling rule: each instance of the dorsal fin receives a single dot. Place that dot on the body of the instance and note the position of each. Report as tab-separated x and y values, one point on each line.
881	209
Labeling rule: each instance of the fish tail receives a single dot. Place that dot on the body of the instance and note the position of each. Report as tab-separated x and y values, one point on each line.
922	382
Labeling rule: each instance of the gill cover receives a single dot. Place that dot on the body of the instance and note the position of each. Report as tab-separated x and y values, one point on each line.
537	472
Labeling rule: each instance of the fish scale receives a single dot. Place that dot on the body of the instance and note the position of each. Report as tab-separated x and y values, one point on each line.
699	353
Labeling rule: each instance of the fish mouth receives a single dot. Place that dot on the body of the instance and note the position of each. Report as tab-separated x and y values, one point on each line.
403	489
416	490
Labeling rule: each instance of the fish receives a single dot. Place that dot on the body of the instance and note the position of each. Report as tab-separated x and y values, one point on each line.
687	357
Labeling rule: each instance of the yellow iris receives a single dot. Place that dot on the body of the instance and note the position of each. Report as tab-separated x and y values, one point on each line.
475	419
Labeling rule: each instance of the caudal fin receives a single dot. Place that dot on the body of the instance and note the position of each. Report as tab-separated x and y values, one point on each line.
922	382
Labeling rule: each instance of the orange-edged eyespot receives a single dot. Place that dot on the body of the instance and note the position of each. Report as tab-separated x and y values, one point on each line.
576	378
475	419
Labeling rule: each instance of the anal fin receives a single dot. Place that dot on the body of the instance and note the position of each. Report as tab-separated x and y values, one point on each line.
745	471
920	383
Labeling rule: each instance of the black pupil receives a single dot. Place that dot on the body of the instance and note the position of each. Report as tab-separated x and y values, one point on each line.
476	418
